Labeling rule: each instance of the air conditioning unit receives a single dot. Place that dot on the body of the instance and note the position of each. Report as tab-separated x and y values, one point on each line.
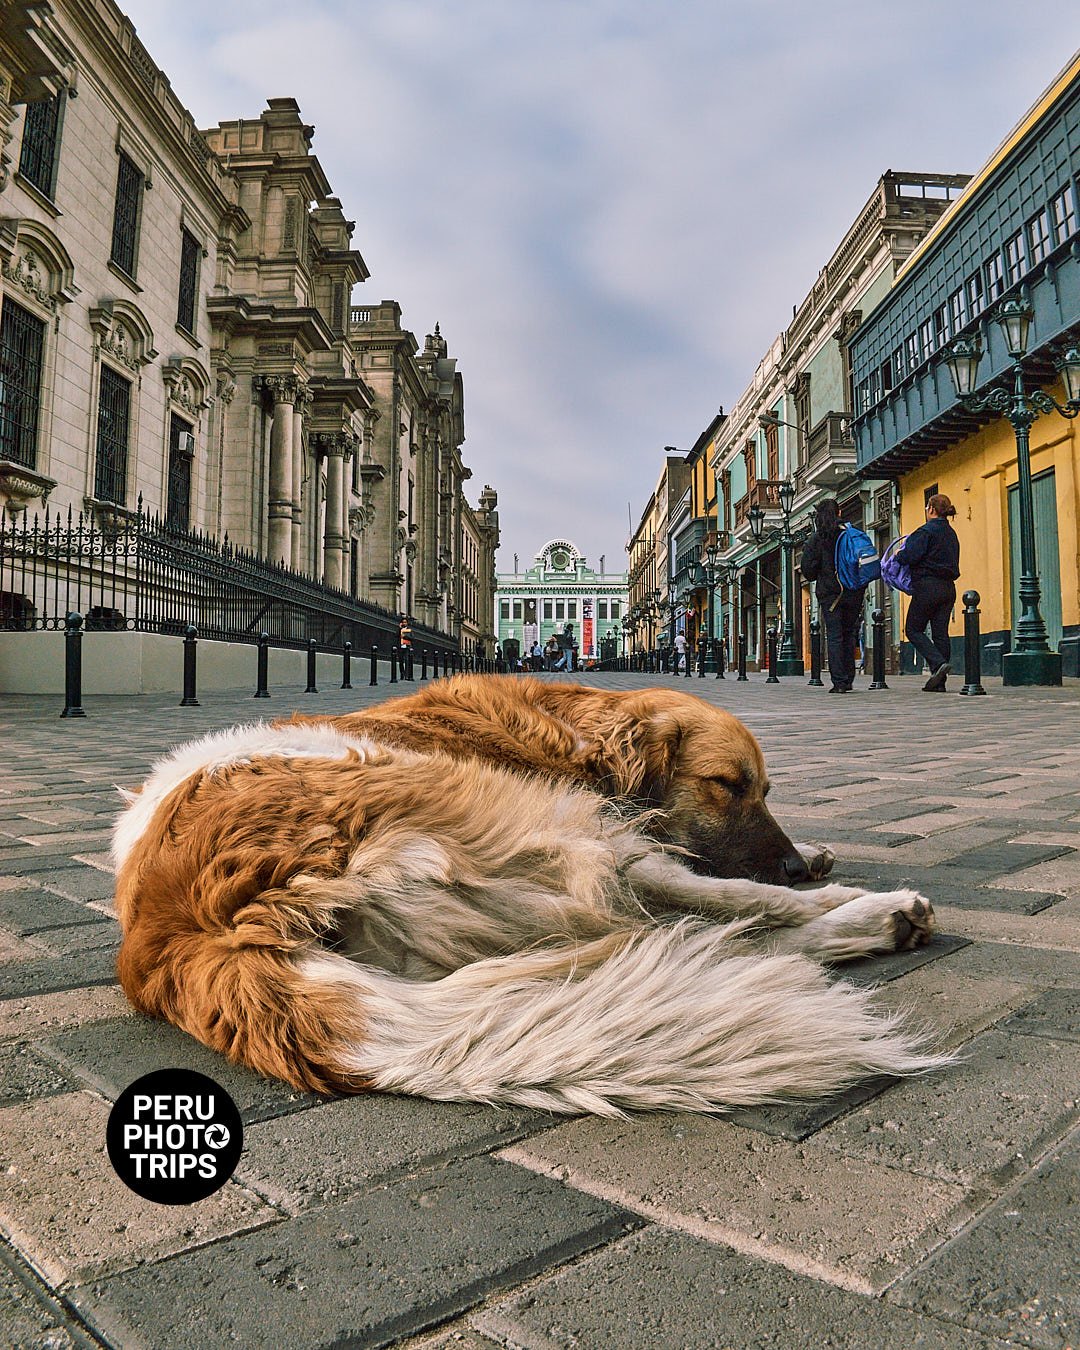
186	443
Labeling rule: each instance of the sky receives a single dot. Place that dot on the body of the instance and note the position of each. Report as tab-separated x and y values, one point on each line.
609	206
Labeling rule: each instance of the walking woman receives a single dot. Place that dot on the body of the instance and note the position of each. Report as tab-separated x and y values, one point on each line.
932	553
842	610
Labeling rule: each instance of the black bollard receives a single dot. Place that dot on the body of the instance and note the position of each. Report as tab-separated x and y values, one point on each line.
394	652
73	666
773	677
878	622
702	651
718	648
688	661
262	668
408	654
346	666
189	700
374	666
815	653
972	649
423	663
742	658
312	657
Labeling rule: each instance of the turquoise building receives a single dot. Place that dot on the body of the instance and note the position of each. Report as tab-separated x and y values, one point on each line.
559	589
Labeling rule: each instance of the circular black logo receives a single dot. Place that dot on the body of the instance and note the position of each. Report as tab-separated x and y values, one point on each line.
174	1136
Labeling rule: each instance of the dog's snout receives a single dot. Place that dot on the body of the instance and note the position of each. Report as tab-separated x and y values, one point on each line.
796	867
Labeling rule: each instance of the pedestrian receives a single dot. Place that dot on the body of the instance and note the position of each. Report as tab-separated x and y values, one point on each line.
680	651
841	609
537	655
932	555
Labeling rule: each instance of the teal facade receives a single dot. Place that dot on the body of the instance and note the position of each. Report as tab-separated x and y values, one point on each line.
559	588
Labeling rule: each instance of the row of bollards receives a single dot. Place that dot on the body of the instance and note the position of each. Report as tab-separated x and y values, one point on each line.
402	660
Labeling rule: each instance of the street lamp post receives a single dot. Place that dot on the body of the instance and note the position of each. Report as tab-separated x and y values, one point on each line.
788	661
711	554
673	595
1031	660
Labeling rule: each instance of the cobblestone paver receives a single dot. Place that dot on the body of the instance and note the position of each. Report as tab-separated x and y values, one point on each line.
938	1212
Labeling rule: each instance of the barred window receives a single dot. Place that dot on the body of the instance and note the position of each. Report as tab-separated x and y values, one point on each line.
1063	210
22	344
178	500
40	141
1014	257
129	183
114	418
1039	236
189	273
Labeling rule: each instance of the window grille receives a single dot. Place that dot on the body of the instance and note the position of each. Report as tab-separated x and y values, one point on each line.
114	417
178	501
129	182
41	131
189	272
22	343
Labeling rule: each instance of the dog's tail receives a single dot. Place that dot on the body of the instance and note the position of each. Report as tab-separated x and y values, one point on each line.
657	1018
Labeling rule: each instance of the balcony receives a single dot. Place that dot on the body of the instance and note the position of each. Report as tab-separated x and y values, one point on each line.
764	493
830	453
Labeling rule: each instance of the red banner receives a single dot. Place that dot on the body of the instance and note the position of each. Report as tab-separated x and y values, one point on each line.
586	628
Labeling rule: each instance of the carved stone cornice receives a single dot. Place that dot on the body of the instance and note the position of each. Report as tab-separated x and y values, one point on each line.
21	486
122	333
281	388
186	389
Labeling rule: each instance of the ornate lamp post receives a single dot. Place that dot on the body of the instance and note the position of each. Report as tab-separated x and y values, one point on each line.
788	661
673	595
711	554
1031	660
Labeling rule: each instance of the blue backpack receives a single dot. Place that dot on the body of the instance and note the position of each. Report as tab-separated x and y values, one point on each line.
857	562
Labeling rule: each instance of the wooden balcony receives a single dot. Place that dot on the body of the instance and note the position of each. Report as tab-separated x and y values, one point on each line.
830	453
764	493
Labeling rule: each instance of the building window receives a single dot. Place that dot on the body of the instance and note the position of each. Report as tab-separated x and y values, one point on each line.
614	609
114	419
974	288
189	274
995	278
517	609
181	447
504	609
22	345
957	312
601	611
1039	236
911	348
1014	258
926	339
560	609
547	609
571	609
129	184
929	492
941	326
772	451
40	142
1063	210
354	567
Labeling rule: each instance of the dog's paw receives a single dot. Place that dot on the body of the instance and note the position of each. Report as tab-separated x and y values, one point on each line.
818	859
912	920
833	896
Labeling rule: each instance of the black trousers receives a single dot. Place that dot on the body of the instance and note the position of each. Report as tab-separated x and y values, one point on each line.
841	630
932	602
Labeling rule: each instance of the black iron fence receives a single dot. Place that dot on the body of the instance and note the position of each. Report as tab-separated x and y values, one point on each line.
137	573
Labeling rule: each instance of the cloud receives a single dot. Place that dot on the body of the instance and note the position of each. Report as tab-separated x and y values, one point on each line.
610	206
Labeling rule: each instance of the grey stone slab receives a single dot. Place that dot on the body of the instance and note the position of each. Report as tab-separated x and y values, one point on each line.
29	1318
657	1289
335	1148
799	1120
946	886
1055	1014
34	862
1014	1272
875	970
997	859
29	909
110	1054
84	937
80	882
984	1118
1037	966
50	974
397	1260
25	1074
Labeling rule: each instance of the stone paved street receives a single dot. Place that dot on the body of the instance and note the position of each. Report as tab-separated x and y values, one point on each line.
940	1212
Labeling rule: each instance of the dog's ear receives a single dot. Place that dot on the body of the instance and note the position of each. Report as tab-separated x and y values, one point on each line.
641	756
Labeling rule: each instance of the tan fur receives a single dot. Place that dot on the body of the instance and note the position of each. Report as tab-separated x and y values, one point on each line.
332	909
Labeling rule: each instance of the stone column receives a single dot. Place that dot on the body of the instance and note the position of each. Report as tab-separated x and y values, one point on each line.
335	507
303	398
280	542
346	494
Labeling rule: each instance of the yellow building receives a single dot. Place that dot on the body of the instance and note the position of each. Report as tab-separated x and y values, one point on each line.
1012	235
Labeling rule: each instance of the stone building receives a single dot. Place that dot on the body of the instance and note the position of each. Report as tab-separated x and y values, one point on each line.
179	331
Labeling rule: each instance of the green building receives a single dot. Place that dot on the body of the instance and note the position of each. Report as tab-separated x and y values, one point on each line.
560	589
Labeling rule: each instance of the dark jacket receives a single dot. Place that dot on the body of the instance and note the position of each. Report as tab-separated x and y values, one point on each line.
932	550
819	566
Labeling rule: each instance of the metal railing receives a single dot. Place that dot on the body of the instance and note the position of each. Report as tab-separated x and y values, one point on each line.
137	573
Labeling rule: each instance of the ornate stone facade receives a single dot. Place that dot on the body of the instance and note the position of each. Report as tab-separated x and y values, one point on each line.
182	321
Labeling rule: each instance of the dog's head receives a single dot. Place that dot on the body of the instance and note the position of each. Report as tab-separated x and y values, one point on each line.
705	771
